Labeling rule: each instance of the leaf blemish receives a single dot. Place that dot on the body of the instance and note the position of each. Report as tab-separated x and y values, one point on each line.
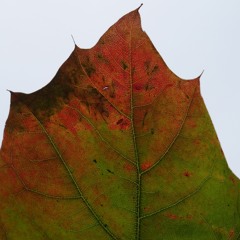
145	166
110	171
138	87
89	68
94	160
124	65
155	68
231	233
129	167
143	121
187	174
172	216
232	179
100	56
119	121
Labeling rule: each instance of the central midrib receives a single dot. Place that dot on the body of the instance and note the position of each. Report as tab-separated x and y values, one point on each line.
138	181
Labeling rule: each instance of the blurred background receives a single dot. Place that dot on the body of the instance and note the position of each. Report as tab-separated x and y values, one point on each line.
191	36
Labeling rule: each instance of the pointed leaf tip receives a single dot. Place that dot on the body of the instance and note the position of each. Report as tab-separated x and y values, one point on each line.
139	7
73	40
201	74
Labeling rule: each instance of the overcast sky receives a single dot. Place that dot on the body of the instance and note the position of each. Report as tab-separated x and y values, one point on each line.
190	35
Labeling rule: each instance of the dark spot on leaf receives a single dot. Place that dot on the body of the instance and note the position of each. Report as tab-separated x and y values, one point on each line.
149	87
92	91
94	160
143	121
94	101
124	65
119	121
149	69
146	86
62	126
152	131
101	205
187	174
110	171
155	68
147	65
100	56
105	113
105	225
89	68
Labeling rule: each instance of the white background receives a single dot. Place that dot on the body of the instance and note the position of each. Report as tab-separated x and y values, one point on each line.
191	36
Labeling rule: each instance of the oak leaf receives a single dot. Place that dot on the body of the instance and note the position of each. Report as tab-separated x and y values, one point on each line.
116	146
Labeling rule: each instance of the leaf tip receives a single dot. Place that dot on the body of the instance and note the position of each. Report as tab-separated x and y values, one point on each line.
13	96
198	78
73	40
139	7
201	74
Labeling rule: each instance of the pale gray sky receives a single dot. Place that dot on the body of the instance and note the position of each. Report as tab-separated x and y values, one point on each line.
190	36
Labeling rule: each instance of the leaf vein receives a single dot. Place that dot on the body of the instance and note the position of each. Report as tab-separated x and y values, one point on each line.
102	138
175	138
113	105
201	185
107	230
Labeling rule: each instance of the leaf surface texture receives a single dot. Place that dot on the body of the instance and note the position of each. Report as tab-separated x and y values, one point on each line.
116	146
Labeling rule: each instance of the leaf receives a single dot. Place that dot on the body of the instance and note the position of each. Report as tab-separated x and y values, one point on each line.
116	146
